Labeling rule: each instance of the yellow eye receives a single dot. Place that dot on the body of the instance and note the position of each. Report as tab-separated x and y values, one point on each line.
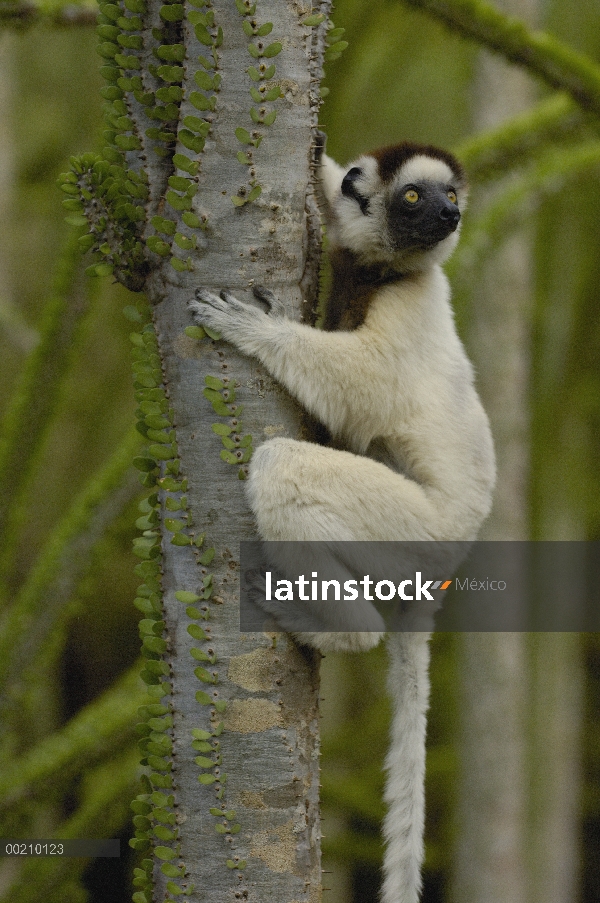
451	196
411	196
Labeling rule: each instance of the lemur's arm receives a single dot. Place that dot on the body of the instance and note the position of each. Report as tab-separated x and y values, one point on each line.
314	366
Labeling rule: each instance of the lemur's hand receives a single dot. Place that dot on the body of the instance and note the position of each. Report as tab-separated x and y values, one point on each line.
225	314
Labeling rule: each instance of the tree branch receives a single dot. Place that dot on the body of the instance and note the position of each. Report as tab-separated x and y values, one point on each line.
513	143
25	13
95	733
538	52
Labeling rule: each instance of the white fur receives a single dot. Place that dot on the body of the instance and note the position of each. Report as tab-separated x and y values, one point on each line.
402	378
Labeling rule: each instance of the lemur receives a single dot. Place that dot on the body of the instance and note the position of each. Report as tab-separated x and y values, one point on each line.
389	379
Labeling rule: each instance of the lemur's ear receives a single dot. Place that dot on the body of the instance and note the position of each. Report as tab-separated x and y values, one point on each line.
330	176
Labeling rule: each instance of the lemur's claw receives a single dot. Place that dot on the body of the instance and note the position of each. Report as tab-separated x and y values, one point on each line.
203	295
264	294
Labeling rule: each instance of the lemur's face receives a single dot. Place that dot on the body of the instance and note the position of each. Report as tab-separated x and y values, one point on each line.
401	206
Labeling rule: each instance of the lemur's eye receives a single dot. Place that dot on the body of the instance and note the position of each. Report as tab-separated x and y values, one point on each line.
411	196
451	195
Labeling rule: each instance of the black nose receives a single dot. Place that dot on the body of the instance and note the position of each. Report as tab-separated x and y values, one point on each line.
449	212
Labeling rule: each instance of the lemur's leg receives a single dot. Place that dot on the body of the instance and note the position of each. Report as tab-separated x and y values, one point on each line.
300	491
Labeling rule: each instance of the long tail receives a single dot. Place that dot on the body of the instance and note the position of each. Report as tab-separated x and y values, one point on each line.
405	765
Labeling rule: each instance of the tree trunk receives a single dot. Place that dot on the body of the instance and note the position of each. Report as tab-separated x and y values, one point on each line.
235	812
268	748
492	811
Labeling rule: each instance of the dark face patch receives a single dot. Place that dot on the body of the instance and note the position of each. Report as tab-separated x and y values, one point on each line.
421	223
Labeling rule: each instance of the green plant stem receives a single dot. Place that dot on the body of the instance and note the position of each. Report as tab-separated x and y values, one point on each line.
20	615
547	175
498	150
103	727
34	400
24	13
538	52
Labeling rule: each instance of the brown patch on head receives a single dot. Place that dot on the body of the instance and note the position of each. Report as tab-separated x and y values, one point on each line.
390	159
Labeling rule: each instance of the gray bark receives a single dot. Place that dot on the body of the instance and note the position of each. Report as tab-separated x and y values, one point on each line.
269	746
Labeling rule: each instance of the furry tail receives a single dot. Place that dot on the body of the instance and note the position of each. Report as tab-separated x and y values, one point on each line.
405	765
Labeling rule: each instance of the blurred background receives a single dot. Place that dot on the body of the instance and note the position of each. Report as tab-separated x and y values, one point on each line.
514	731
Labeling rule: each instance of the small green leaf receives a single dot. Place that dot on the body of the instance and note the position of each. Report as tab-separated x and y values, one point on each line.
181	539
173	53
171	73
198	654
173	12
243	136
270	118
195	332
166	226
203	80
191	141
207	778
158	246
154	644
256	192
164	853
334	35
180	183
187	597
336	48
273	49
196	632
184	163
272	94
220	705
172	871
214	383
213	334
254	74
204	762
207	557
265	29
311	21
185	243
191	220
178	202
203	698
203	35
238	202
